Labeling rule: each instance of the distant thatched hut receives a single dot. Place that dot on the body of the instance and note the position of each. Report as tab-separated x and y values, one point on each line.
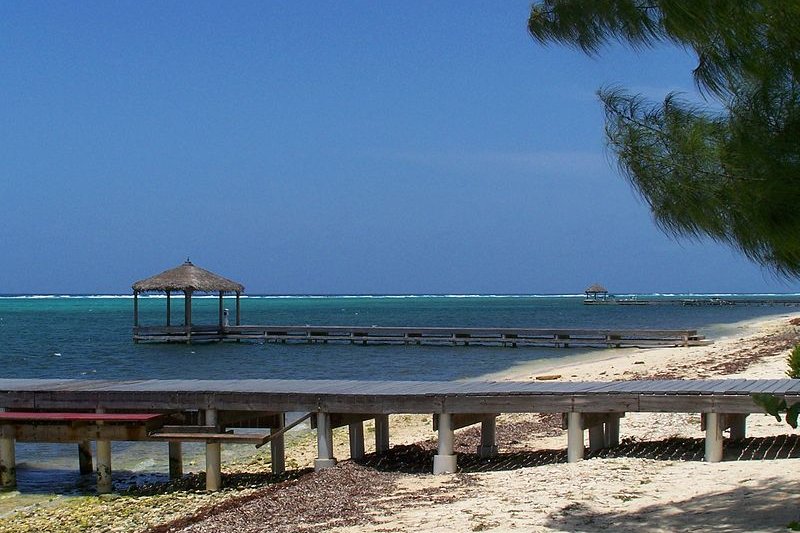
596	293
187	278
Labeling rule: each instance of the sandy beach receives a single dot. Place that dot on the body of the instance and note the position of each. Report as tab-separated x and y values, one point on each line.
656	481
628	493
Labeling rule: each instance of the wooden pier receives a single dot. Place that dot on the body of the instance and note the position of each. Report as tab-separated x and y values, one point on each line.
176	411
441	336
191	279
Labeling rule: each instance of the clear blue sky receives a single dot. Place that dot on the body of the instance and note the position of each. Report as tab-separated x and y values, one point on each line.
326	147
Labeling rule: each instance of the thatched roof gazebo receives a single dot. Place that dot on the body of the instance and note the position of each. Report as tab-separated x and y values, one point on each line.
596	293
187	278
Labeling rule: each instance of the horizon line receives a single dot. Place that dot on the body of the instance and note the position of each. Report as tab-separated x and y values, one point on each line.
179	294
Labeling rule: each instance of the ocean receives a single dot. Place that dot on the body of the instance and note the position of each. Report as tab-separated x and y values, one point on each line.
89	337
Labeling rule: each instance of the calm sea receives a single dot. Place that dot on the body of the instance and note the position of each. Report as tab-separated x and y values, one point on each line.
90	337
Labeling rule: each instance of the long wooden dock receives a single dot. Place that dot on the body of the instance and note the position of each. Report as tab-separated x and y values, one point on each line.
211	411
442	336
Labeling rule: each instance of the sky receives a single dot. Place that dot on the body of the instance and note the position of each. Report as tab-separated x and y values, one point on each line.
326	148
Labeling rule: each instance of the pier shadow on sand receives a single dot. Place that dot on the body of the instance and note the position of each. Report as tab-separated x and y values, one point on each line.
418	458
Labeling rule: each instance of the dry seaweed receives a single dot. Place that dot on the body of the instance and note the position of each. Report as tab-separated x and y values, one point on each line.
316	502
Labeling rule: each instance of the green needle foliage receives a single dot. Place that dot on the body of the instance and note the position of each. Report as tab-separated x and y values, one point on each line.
729	170
794	363
775	405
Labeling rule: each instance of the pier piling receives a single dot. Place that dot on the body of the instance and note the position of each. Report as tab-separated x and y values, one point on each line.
713	437
175	460
103	448
213	456
8	460
356	432
104	485
487	447
444	462
575	448
277	446
325	457
85	457
381	433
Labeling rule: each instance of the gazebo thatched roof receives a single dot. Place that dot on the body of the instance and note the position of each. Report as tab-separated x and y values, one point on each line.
596	288
187	277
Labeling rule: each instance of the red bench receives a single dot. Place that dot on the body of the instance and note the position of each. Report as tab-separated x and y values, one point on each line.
33	416
47	426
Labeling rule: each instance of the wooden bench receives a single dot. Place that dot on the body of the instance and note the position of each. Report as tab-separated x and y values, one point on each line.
204	434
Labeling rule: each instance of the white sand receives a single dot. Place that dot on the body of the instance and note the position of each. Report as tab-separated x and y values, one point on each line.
619	494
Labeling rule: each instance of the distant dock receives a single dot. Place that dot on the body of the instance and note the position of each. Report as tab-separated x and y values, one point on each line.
700	301
441	336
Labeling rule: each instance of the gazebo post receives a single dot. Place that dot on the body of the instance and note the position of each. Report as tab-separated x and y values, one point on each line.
220	311
238	310
169	308
187	314
136	309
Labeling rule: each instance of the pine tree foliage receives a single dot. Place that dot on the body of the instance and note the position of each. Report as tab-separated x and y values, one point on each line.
731	170
793	360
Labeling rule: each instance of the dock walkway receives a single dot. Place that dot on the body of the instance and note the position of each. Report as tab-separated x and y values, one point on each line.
442	336
210	411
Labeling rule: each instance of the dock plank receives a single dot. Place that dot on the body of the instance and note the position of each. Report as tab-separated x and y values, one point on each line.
375	396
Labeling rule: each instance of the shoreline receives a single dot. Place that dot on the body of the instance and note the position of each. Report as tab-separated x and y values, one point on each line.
580	365
493	490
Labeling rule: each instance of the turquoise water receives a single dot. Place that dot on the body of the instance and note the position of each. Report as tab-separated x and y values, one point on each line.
90	337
